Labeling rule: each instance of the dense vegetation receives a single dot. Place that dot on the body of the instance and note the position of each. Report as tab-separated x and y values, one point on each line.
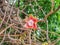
48	14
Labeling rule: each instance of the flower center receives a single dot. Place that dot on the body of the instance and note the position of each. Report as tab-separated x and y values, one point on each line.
30	22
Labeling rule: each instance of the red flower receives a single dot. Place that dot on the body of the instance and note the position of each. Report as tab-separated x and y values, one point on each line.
31	22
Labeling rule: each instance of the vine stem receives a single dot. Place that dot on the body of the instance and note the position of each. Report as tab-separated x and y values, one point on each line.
30	36
6	28
47	30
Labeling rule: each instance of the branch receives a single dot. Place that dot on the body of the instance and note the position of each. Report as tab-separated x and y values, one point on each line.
47	30
3	18
54	42
6	28
3	38
52	6
51	12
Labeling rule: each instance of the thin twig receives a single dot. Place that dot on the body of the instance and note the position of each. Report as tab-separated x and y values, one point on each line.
6	28
47	30
50	13
3	18
52	6
3	38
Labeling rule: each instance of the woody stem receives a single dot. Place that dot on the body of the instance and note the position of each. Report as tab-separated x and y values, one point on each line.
30	36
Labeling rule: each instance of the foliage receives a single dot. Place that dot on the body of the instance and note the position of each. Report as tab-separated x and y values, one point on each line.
48	25
53	20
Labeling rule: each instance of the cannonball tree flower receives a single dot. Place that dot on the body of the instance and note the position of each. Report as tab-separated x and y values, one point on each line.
31	22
